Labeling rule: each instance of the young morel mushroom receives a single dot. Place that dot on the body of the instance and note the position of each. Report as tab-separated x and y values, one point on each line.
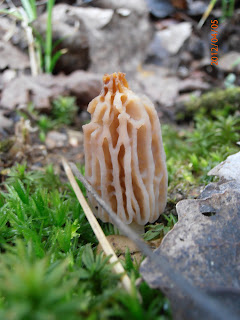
124	155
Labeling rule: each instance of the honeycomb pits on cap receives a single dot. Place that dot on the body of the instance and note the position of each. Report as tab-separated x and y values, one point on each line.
124	155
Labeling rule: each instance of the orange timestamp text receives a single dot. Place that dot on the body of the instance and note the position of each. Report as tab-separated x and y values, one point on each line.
214	42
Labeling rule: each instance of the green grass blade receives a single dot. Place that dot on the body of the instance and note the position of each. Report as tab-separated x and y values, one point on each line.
224	8
29	10
55	58
57	42
48	43
39	47
206	13
231	8
34	8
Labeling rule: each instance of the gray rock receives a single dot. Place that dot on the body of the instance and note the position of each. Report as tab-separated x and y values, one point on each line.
203	246
5	123
130	5
196	7
219	187
84	86
8	75
160	87
104	40
193	84
228	169
170	40
160	9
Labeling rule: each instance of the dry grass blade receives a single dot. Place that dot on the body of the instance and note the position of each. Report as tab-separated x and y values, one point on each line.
118	268
206	13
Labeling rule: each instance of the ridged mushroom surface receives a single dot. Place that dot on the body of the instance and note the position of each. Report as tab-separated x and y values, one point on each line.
124	155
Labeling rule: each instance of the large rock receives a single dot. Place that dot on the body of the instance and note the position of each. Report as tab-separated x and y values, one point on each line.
104	40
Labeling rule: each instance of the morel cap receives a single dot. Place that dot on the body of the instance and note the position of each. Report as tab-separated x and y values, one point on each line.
124	155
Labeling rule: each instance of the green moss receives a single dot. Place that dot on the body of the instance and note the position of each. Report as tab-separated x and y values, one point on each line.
48	265
62	113
192	153
64	109
226	101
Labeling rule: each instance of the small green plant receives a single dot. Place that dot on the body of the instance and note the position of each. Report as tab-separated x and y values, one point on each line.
64	109
63	112
40	48
156	231
45	123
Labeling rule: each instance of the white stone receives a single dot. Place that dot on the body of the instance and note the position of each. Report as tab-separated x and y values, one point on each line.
228	169
174	36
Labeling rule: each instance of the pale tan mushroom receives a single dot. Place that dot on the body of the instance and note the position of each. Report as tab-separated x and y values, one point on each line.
124	155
